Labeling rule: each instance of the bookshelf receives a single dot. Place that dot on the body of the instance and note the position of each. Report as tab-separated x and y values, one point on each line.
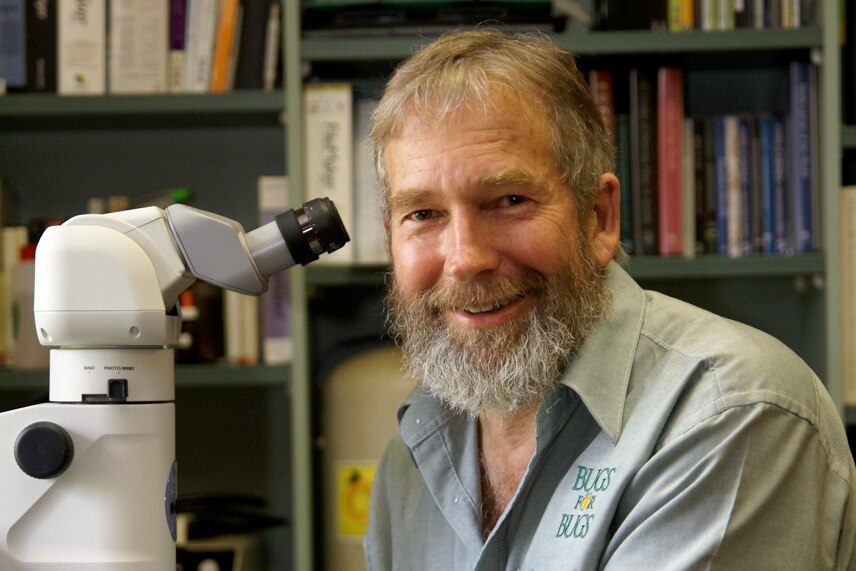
231	138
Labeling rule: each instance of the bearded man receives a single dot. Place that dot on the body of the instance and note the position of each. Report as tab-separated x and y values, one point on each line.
565	418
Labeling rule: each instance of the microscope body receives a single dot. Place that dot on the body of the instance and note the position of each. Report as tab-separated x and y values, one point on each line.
88	480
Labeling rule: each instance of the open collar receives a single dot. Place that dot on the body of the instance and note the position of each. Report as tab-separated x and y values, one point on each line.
600	372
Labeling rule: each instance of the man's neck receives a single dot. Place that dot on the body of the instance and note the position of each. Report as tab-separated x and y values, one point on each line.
506	445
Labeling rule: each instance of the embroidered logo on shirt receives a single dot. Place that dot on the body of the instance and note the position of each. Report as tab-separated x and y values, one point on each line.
588	481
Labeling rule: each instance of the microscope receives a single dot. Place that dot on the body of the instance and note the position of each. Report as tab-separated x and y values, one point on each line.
88	479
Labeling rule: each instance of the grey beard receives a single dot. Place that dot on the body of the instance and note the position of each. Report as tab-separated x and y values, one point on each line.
503	368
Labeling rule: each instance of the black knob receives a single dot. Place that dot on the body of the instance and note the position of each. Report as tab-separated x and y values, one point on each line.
44	450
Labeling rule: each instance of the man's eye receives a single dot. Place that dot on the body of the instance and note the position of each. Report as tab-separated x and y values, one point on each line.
420	215
513	200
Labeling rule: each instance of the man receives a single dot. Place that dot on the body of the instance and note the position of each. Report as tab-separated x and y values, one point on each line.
567	419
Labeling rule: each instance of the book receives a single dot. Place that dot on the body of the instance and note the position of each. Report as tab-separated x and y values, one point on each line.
12	45
329	154
848	292
273	39
139	49
801	157
643	156
369	235
747	181
228	21
277	345
704	185
603	91
781	206
688	194
177	44
733	188
670	116
249	68
199	36
623	167
768	208
81	47
40	17
41	36
721	185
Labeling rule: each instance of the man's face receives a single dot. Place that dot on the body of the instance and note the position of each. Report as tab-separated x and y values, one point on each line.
495	283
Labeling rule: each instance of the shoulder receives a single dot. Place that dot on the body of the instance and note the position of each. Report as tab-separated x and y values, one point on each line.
724	365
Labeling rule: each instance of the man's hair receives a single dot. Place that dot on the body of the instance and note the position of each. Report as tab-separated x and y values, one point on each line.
468	68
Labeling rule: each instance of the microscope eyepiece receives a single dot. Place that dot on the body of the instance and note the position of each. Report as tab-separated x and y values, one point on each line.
312	229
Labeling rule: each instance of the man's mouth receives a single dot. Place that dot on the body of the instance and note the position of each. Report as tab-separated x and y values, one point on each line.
490	308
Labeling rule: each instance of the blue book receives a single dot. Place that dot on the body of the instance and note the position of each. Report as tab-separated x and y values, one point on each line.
801	159
12	52
781	235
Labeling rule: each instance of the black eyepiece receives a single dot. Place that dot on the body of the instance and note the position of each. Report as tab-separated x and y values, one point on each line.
312	229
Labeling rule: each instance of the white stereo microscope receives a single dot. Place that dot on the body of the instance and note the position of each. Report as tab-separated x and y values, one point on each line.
87	480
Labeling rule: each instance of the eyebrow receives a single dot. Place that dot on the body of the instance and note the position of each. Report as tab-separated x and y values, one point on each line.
407	199
506	177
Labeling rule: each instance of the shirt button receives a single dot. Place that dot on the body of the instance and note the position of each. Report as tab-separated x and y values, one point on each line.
418	421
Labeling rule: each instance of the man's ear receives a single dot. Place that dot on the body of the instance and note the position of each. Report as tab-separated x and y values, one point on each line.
605	225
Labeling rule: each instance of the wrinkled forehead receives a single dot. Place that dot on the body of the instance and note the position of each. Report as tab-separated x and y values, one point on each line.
446	109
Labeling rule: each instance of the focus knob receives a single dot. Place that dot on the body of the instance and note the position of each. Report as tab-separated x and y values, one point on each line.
44	450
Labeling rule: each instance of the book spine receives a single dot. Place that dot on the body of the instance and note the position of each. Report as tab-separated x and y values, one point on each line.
622	135
765	128
226	25
249	67
139	49
369	235
272	52
781	205
721	185
801	157
745	168
734	193
688	193
710	231
277	344
202	28
177	44
81	47
12	45
41	34
670	113
643	155
603	92
329	153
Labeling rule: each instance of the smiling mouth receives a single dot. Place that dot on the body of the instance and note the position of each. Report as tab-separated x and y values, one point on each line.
490	308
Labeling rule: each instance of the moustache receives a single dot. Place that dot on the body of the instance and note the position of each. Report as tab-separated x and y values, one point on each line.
485	291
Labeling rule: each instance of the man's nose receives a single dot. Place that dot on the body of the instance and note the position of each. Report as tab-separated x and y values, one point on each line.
469	248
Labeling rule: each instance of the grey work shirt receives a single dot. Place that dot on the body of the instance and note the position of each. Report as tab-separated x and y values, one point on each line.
677	440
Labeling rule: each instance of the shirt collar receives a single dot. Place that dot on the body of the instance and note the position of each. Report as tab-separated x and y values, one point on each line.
600	371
